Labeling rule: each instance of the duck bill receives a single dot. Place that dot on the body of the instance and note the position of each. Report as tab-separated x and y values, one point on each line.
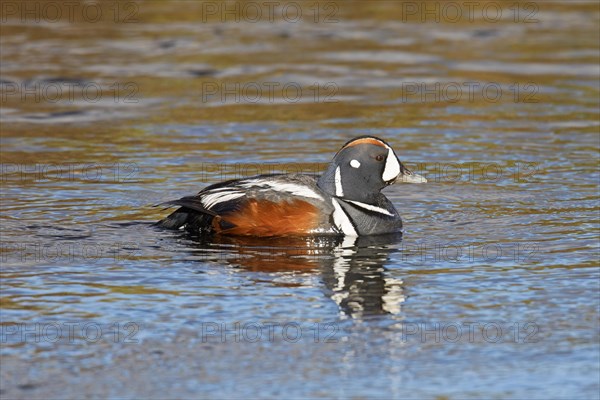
408	176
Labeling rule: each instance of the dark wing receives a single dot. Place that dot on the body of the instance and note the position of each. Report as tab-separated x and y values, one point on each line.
191	203
220	200
197	212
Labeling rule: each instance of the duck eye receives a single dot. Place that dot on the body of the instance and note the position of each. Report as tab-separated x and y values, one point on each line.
380	157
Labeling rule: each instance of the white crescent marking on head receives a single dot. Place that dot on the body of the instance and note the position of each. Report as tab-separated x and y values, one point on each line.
339	191
392	166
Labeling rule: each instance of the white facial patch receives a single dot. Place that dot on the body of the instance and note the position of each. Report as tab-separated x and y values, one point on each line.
355	163
392	167
339	191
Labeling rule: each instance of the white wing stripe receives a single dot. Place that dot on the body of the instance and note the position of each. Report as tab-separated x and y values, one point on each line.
212	199
292	188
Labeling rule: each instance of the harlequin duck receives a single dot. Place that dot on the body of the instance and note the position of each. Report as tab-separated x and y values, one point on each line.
345	200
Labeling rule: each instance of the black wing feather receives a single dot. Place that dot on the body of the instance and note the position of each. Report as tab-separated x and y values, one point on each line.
192	203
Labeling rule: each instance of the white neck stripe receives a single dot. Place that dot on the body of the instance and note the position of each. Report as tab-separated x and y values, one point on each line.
371	207
339	190
341	220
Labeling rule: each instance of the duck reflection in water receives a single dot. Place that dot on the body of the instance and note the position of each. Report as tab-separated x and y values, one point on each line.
352	269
